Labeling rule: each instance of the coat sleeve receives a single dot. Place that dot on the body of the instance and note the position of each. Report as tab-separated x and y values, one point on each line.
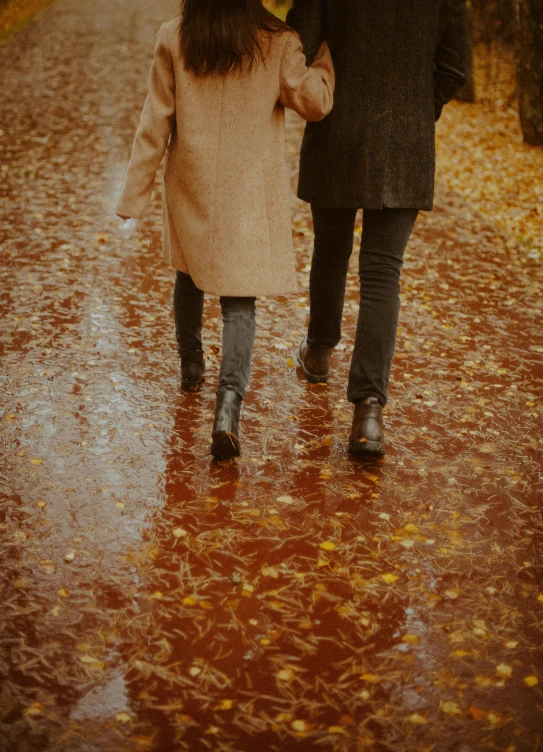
154	130
452	57
307	18
308	91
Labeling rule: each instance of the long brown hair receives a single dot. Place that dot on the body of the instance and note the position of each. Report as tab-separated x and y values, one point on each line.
219	36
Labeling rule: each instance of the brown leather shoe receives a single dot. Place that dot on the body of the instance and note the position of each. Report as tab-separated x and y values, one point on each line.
314	361
226	426
367	435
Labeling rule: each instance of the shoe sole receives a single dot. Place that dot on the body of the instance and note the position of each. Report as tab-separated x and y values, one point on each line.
225	446
312	377
367	448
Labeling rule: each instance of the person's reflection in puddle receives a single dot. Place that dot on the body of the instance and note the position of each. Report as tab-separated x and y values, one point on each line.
245	610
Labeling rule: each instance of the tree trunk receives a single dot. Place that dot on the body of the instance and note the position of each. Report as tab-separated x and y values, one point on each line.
530	68
467	93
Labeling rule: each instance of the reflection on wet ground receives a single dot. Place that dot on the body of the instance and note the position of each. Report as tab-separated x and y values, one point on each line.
294	600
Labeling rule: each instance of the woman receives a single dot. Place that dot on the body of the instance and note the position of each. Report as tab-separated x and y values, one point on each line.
220	80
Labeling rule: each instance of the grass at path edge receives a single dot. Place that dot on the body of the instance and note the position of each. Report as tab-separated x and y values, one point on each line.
16	13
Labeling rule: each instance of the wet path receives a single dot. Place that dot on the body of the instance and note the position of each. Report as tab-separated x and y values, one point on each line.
296	600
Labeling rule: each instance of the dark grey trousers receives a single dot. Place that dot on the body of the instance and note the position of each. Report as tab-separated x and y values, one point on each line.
385	235
238	334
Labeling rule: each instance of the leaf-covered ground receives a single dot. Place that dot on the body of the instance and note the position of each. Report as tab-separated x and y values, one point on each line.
483	158
15	13
296	599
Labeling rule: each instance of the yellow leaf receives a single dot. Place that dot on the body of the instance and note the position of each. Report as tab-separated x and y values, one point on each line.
504	670
450	707
123	717
372	678
194	670
411	528
286	674
336	730
511	644
452	594
179	532
35	708
189	601
327	545
224	705
63	593
299	725
87	658
36	462
411	639
531	681
540	597
290	364
494	718
417	718
460	653
206	605
389	578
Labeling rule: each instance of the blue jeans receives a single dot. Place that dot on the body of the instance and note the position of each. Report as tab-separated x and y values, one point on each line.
385	235
238	334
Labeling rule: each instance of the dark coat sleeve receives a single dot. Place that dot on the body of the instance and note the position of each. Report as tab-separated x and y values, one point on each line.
307	18
452	59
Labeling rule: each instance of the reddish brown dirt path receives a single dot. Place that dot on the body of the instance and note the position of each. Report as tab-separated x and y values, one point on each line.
296	600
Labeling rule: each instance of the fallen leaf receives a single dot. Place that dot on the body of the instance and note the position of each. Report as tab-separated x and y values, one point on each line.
452	594
504	670
417	719
389	578
47	566
450	707
531	681
286	674
476	713
327	545
224	705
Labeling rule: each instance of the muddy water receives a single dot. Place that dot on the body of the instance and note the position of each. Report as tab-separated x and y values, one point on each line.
296	599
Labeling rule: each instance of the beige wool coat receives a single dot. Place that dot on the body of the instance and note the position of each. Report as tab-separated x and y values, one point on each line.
227	215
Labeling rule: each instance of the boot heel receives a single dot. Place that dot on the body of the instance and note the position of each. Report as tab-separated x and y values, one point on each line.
225	435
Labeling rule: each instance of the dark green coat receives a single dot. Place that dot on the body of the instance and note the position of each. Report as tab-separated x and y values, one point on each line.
397	63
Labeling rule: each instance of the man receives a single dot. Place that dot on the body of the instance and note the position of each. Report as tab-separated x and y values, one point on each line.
398	62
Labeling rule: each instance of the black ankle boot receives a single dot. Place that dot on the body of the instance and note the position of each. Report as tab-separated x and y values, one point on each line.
226	426
192	371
